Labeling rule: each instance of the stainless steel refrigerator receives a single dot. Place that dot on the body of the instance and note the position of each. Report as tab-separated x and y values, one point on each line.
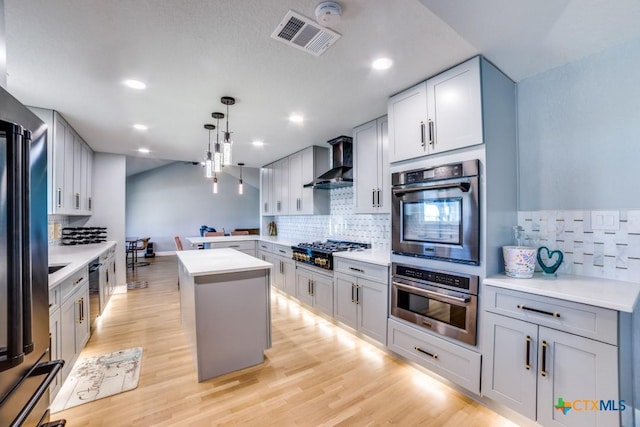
25	366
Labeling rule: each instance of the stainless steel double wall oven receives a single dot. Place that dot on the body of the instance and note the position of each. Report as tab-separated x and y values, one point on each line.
436	215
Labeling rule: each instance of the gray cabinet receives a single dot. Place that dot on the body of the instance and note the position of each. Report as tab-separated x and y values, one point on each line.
74	318
361	297
246	246
372	183
54	350
315	289
70	167
282	184
443	113
532	362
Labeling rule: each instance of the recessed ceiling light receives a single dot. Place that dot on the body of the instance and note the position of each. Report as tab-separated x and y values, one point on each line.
258	143
382	64
135	84
139	126
296	118
144	150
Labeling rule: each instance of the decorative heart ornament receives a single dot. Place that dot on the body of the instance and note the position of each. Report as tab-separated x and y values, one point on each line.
549	269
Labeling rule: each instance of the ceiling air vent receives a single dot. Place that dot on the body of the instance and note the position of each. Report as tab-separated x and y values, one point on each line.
304	33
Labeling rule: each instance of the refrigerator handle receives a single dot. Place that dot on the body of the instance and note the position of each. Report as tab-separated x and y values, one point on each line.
13	354
27	274
51	369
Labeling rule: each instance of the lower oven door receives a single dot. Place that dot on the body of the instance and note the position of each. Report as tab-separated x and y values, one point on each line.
452	314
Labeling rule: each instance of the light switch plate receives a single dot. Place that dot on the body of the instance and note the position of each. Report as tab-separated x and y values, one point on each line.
50	232
605	220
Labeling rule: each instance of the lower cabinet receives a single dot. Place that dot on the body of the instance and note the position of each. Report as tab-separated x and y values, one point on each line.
246	246
315	289
538	370
284	274
455	363
54	350
360	301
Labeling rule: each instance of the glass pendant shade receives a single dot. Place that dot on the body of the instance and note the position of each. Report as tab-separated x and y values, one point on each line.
215	184
226	151
217	159
208	166
240	187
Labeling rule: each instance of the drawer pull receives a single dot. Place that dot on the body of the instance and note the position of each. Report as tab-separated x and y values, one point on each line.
432	355
527	363
234	246
535	310
359	270
427	324
281	251
78	281
543	371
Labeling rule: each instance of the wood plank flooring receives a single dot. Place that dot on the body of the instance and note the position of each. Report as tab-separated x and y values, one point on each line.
316	374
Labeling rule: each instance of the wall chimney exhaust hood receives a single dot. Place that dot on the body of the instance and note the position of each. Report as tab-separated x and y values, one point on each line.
341	173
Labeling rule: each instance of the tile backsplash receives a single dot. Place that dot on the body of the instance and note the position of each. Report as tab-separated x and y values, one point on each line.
341	224
613	254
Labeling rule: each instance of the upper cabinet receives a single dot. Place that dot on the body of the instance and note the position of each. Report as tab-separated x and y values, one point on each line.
282	184
70	167
441	114
371	167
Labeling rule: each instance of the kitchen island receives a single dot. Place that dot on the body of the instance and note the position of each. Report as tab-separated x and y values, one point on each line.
224	305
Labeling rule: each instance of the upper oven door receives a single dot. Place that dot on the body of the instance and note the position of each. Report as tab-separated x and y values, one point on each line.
437	219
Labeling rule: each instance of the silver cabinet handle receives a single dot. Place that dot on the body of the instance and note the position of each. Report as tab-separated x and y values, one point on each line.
359	270
234	246
373	198
527	363
432	136
59	197
353	287
89	203
265	207
422	142
77	200
357	294
378	204
278	206
281	251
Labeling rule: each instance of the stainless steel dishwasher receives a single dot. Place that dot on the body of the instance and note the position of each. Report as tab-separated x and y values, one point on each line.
94	291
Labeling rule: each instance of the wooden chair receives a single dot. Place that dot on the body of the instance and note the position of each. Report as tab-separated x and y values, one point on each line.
213	233
240	233
178	243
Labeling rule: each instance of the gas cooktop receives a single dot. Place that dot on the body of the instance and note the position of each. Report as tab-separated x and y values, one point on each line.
319	253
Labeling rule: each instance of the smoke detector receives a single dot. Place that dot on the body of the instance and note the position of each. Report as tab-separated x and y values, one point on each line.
328	13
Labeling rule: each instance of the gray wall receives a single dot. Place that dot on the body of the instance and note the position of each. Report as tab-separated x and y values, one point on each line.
176	200
579	133
108	200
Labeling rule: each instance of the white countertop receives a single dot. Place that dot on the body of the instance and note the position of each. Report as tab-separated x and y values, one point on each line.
76	256
211	239
216	261
373	256
605	293
278	241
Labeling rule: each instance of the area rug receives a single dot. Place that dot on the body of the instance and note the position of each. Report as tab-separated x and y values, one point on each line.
93	378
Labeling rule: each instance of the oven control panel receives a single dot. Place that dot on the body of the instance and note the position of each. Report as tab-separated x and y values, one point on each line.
467	283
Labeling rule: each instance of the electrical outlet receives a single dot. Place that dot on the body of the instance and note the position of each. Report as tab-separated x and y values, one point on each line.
605	220
57	230
50	231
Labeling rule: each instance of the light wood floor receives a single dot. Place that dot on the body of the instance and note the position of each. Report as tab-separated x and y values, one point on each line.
315	373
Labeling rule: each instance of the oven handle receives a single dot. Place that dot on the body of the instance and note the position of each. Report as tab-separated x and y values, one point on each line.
435	295
399	191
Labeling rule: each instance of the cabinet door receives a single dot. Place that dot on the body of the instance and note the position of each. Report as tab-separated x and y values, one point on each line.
289	272
408	123
87	179
372	302
509	366
365	147
83	321
280	187
577	368
304	281
68	315
322	289
68	187
455	108
265	190
278	273
54	351
295	183
383	198
77	173
345	308
60	196
307	174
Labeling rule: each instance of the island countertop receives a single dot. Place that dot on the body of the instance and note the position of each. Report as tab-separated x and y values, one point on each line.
605	293
73	257
216	261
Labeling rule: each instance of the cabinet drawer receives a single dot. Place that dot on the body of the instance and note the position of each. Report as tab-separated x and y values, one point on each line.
265	246
377	273
581	319
453	362
284	251
238	245
70	285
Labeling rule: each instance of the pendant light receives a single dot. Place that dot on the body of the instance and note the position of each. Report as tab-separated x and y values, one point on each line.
217	153
241	184
215	183
226	144
208	164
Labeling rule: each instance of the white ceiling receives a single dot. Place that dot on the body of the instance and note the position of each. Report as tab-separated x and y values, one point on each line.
72	55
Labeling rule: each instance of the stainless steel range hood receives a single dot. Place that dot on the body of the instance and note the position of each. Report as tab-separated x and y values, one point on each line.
341	173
